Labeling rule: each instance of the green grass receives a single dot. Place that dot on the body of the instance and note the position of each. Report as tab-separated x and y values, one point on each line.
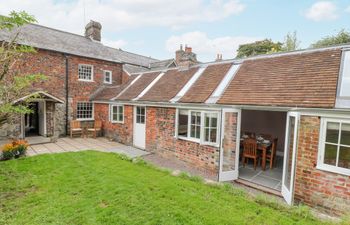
104	188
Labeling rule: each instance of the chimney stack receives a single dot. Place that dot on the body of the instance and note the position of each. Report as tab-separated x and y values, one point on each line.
93	30
185	57
218	57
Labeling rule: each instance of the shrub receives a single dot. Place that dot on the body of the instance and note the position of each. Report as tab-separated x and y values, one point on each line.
15	149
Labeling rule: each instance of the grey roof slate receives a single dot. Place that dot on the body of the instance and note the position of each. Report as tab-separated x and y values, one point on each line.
56	40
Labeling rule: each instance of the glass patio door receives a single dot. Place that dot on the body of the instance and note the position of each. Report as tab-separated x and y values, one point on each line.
229	149
290	157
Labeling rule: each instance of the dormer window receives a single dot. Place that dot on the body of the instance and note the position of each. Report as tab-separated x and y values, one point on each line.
107	76
345	76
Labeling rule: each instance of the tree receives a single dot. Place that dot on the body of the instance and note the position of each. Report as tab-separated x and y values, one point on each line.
291	42
14	85
258	48
342	37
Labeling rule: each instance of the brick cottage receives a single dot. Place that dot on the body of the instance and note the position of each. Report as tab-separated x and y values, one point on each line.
294	104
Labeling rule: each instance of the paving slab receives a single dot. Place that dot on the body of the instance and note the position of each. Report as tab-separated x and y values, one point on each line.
80	144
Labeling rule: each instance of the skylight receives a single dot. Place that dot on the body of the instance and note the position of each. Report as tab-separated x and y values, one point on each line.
223	84
345	76
188	85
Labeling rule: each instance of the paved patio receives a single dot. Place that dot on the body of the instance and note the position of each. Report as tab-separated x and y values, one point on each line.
80	144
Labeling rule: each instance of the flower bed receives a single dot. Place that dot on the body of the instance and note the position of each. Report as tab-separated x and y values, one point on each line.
15	149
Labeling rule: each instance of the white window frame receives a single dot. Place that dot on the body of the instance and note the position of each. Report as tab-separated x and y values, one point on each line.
202	132
210	128
92	114
92	73
111	113
322	143
104	77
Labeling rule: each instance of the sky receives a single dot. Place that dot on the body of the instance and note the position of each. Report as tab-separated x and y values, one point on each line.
156	28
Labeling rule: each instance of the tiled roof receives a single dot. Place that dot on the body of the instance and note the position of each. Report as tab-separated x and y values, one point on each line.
136	88
308	79
56	40
106	93
206	83
169	85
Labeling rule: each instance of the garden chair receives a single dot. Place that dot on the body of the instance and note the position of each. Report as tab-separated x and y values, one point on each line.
96	129
75	128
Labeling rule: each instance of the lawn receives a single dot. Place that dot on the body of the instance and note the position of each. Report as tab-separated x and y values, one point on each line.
104	188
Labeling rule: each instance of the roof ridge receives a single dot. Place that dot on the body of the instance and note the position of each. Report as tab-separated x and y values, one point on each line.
55	29
148	57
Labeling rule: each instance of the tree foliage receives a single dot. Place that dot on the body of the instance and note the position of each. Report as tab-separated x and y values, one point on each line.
291	42
14	85
258	48
342	37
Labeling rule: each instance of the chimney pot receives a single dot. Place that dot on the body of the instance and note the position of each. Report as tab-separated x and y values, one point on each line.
93	30
188	49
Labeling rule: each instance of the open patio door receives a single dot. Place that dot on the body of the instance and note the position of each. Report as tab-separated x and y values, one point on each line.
290	157
229	149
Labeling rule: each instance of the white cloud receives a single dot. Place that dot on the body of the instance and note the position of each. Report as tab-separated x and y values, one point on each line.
322	11
206	47
116	15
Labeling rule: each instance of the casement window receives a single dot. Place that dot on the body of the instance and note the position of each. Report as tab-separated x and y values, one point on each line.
117	114
210	127
107	76
195	128
334	149
85	72
198	126
85	111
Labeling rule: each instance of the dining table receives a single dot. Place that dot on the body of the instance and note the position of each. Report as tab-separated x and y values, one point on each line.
263	147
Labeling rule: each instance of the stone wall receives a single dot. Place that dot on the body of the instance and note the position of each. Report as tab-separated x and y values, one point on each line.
326	191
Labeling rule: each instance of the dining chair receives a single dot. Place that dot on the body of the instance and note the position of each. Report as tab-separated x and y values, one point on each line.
271	154
250	151
75	128
96	129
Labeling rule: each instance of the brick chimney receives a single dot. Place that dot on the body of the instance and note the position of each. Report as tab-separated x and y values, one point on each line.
93	30
185	57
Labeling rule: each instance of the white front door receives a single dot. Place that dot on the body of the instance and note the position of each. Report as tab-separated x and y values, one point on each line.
140	127
229	149
290	157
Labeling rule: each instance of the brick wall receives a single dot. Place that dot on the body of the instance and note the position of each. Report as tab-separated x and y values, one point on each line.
324	190
160	131
120	132
52	64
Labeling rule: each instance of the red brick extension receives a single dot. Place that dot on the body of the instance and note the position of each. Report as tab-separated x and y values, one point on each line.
320	189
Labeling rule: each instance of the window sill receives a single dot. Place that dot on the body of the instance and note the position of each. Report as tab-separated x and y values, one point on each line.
87	119
107	82
198	141
333	169
85	80
117	122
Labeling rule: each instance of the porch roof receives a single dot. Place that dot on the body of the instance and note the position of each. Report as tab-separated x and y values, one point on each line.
43	95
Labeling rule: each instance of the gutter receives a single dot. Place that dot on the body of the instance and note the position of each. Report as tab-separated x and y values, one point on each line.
67	90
